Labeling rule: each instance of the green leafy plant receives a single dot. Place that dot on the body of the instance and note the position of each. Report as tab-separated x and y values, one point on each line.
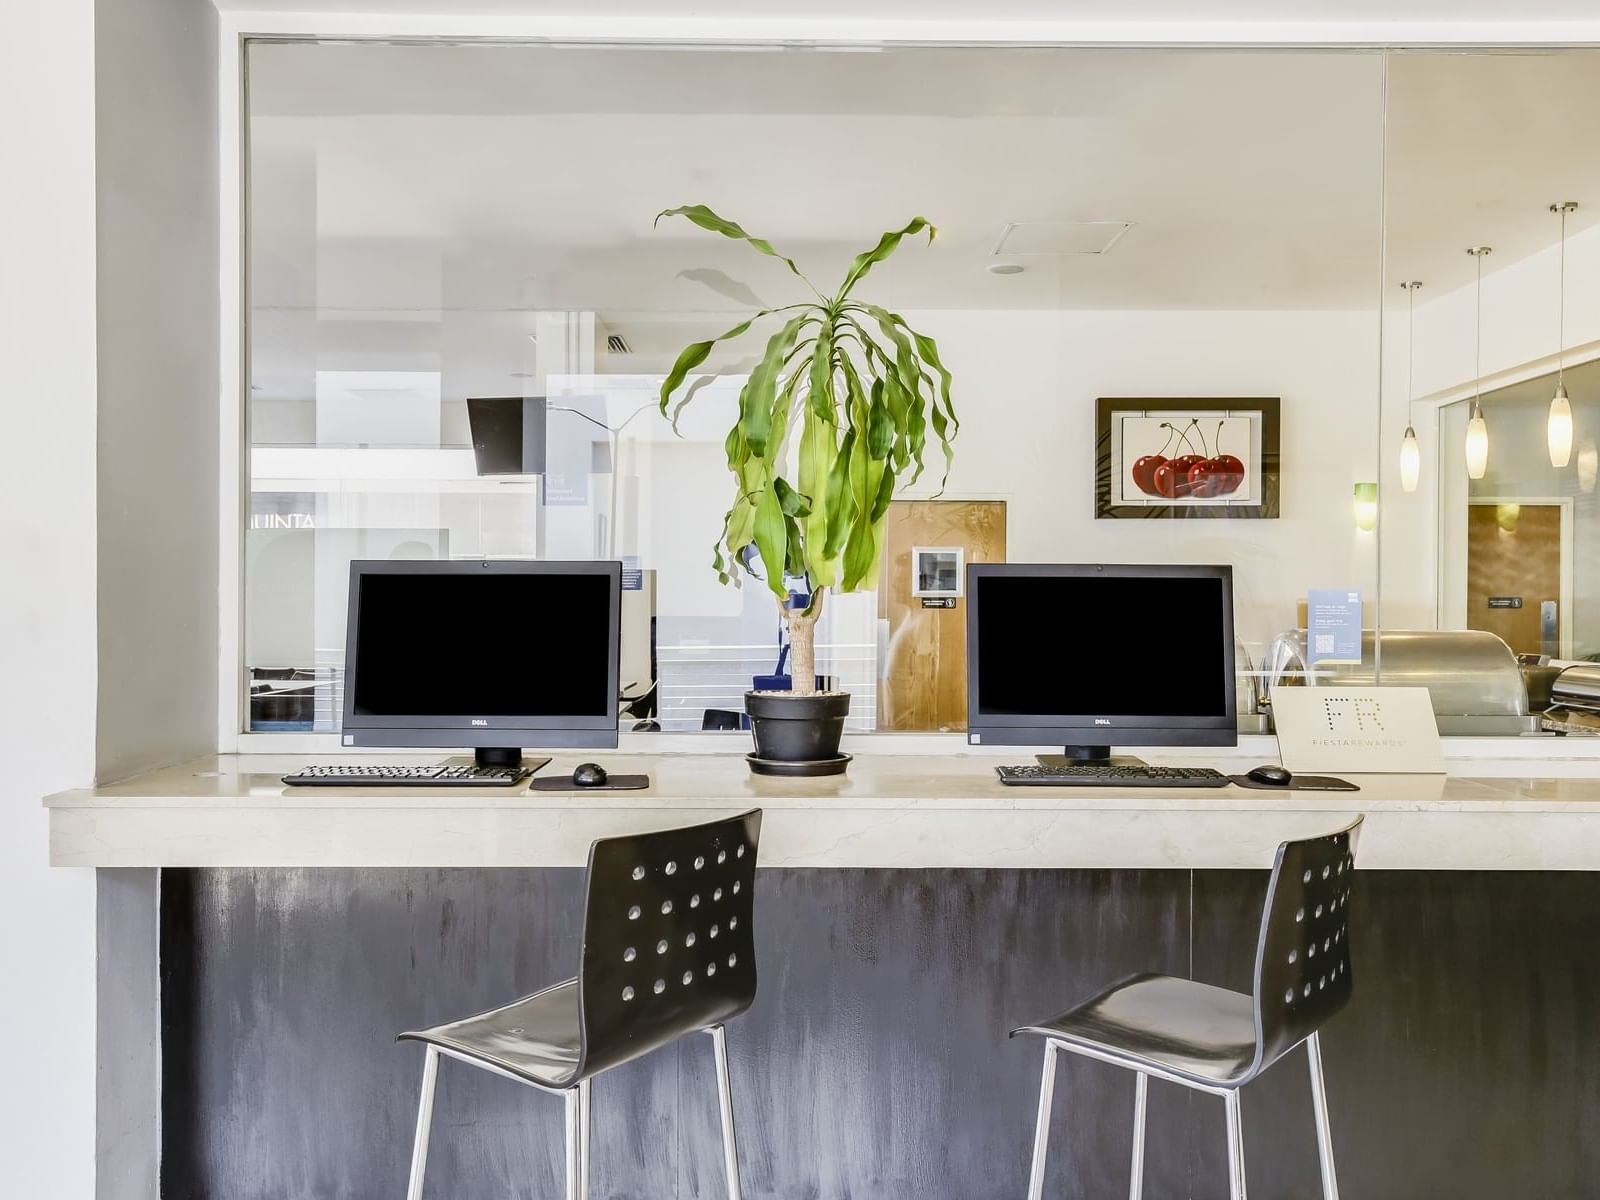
833	418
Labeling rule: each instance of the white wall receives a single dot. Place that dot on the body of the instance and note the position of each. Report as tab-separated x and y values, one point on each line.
1026	385
47	590
1519	337
1519	316
108	530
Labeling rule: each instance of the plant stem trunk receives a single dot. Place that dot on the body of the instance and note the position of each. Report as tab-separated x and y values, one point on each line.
803	646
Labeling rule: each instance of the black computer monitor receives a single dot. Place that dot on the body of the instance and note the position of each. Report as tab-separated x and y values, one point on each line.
495	655
1088	656
508	434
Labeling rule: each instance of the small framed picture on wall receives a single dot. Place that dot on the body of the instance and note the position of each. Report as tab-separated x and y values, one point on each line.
1159	458
938	571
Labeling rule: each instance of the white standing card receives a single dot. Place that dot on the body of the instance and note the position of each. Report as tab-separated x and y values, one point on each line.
1357	730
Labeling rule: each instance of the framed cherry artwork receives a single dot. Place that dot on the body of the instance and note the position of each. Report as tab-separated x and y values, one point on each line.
1186	458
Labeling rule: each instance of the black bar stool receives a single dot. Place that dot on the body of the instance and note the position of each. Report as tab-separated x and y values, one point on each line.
1215	1040
667	951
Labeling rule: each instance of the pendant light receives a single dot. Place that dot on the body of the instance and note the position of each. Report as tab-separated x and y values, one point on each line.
1477	446
1558	426
1410	453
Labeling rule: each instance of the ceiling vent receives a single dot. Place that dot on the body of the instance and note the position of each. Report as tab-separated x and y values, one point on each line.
617	344
1060	237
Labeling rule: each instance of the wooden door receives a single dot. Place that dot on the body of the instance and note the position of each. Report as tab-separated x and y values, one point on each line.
1513	569
924	683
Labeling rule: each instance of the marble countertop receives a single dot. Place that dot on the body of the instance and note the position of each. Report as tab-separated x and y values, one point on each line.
901	810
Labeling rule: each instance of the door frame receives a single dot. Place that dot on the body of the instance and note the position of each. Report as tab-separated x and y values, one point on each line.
1564	504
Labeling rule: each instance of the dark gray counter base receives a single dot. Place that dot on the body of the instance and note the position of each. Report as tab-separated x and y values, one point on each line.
875	1063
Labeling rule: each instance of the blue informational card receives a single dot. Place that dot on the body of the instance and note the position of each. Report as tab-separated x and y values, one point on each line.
632	574
1333	625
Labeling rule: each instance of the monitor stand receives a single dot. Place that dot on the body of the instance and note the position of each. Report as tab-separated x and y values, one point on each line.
1101	755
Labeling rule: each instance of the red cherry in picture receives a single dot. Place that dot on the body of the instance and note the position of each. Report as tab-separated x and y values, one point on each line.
1172	478
1168	478
1144	473
1205	478
1182	465
1144	469
1230	470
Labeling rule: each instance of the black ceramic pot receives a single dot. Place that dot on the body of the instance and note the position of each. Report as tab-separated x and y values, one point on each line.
798	729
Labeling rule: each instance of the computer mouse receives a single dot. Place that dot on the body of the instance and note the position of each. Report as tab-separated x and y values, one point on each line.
1270	774
589	775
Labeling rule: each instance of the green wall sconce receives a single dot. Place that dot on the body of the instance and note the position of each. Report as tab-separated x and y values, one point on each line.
1366	507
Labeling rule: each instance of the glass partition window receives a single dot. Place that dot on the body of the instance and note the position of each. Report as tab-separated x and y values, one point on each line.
1141	256
1495	215
1518	545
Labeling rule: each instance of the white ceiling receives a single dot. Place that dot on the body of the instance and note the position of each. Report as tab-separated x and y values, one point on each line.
540	171
1480	147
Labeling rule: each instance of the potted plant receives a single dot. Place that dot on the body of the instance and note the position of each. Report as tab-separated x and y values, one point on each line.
834	417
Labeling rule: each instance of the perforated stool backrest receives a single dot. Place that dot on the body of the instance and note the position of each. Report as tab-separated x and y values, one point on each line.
668	947
1303	974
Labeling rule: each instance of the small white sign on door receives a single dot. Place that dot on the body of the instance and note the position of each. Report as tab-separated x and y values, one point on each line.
938	571
1356	730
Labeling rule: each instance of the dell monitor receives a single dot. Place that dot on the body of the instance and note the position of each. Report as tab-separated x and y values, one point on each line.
1089	656
494	655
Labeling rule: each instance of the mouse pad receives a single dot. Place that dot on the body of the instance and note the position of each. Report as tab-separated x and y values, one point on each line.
613	783
1300	783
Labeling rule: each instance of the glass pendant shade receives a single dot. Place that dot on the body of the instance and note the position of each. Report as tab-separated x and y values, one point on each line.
1410	461
1558	428
1477	444
1558	425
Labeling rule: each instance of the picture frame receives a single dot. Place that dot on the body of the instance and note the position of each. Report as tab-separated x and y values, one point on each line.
938	571
1237	440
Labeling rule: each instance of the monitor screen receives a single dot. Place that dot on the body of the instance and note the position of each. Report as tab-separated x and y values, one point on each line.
1055	644
482	643
508	434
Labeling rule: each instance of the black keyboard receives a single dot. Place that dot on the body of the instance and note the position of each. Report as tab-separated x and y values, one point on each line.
421	775
1106	775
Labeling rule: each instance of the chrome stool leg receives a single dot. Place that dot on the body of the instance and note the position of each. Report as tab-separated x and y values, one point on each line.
1041	1131
730	1147
1141	1088
583	1137
419	1149
1319	1104
1235	1147
577	1101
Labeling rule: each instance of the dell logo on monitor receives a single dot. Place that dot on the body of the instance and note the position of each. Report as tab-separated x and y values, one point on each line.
1102	720
479	721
